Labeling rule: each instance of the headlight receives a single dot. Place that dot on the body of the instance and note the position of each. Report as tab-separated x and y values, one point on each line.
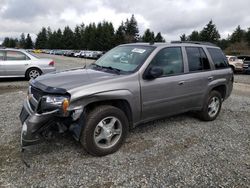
49	103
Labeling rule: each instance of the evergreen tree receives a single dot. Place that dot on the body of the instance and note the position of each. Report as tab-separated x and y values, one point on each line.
148	36
105	36
223	44
77	38
42	39
248	37
209	33
6	42
10	42
28	42
68	38
194	36
238	35
120	35
58	38
49	35
22	41
159	38
183	37
131	30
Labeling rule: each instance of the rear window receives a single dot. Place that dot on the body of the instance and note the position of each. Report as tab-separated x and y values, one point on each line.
15	55
219	59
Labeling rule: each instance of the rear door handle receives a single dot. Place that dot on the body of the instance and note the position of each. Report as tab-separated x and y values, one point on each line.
181	83
210	78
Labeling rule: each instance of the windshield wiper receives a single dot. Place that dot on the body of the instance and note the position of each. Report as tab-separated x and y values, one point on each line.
113	69
99	67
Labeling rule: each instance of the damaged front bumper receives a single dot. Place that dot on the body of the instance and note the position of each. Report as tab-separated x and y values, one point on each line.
34	124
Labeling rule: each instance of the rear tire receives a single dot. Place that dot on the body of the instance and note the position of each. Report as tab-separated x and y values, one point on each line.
105	130
33	73
211	107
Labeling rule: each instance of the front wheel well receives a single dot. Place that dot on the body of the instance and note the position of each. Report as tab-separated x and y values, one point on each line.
118	103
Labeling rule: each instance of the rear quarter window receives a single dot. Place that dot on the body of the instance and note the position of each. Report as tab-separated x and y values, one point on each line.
219	59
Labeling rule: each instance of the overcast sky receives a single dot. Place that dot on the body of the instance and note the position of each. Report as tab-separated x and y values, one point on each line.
170	17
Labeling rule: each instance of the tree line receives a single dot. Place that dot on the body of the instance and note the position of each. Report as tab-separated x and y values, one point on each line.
23	42
236	43
101	36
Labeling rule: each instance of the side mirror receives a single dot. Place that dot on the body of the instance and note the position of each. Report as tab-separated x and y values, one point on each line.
154	72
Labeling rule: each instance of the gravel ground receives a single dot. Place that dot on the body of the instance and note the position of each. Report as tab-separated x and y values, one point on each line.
180	151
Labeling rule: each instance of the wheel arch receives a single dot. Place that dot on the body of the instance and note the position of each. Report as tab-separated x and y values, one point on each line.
122	104
222	89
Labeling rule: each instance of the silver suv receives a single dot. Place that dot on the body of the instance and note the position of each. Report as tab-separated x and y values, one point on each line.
129	85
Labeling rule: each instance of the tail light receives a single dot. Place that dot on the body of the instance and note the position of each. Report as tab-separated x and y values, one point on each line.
52	63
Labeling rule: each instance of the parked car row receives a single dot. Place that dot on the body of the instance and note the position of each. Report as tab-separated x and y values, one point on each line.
73	53
239	63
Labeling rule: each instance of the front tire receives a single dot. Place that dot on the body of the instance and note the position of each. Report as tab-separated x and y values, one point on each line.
105	130
33	73
211	107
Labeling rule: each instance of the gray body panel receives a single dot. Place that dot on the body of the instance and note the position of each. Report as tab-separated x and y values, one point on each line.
148	99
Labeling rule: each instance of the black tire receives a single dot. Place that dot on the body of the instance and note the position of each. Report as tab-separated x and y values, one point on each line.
88	136
205	113
28	74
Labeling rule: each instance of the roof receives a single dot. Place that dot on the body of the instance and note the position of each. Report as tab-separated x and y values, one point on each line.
174	43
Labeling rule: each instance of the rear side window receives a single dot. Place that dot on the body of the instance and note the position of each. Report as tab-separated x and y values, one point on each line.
2	55
197	59
219	59
14	55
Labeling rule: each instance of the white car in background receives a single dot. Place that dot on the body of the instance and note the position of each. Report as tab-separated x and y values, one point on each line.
235	63
20	63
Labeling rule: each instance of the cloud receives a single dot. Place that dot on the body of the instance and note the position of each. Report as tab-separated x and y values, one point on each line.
171	18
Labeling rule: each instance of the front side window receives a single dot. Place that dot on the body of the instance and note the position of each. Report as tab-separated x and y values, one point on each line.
15	56
123	59
170	60
2	55
219	59
197	59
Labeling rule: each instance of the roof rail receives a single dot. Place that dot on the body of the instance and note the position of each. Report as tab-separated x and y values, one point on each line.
193	42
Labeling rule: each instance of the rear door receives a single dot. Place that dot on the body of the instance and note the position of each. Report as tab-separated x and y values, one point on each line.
198	77
16	63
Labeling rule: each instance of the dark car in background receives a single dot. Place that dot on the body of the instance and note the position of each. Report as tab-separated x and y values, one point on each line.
246	65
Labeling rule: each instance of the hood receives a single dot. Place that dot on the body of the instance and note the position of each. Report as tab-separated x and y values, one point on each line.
60	82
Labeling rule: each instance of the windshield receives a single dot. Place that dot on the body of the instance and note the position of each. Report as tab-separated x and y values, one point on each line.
123	59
